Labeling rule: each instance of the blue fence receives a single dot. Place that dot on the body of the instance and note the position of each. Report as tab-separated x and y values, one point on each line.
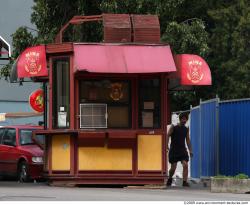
204	139
195	141
234	135
220	138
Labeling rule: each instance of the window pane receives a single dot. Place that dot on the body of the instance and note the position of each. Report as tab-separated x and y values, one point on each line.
149	103
1	135
107	91
61	95
25	137
118	117
9	137
114	93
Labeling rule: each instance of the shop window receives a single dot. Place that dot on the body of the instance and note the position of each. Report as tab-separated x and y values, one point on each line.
61	95
149	103
114	94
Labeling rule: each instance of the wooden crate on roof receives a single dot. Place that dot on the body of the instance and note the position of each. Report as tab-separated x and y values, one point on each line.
146	28
117	28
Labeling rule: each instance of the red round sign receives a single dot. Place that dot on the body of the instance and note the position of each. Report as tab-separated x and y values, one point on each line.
36	100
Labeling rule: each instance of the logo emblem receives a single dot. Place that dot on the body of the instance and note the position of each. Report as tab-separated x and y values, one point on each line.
116	91
36	100
195	73
32	65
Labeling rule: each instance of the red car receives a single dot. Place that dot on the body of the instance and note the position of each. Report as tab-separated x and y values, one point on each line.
19	155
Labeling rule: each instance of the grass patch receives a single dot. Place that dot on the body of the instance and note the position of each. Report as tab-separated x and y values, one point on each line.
238	176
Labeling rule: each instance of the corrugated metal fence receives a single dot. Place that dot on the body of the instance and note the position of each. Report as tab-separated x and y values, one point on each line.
196	142
204	139
220	137
234	138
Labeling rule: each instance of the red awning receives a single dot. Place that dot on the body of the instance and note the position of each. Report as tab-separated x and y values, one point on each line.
110	58
32	62
192	70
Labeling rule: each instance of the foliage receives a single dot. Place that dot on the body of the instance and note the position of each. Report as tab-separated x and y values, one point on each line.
22	38
241	176
217	30
230	48
50	16
238	176
187	37
5	70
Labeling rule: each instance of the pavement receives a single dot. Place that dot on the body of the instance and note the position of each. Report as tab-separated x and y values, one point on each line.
14	191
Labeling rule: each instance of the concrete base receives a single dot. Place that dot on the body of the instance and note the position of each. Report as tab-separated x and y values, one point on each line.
230	185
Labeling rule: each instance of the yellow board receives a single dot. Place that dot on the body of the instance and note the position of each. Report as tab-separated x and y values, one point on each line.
150	152
102	158
61	152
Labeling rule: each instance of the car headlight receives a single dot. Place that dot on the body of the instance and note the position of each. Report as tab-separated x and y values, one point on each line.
37	159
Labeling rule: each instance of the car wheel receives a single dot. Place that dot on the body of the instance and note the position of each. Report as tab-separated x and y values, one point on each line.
23	174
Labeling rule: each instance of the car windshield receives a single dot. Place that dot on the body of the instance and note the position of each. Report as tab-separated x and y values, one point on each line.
25	138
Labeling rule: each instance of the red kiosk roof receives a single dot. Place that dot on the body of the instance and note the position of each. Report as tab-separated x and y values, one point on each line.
120	58
111	58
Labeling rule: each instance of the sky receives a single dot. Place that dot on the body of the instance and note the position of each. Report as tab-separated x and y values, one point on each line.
14	14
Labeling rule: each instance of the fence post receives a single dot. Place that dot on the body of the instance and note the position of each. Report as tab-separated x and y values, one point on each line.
217	136
200	147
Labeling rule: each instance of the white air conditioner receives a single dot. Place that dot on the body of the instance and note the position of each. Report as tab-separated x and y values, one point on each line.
93	115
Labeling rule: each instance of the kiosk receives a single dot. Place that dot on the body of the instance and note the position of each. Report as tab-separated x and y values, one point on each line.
107	104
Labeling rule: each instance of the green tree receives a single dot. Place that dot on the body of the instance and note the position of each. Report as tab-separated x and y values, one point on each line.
230	46
182	25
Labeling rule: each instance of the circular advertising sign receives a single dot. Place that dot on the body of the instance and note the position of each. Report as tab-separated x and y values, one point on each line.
36	100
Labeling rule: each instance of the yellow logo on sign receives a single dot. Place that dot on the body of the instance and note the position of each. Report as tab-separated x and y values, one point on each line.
195	73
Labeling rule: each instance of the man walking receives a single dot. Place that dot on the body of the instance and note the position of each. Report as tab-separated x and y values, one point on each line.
179	136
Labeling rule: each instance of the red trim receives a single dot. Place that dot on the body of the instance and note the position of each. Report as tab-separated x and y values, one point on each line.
124	76
50	155
50	94
59	48
121	139
98	131
91	139
77	113
136	126
60	180
135	157
133	103
61	172
46	159
77	145
72	96
164	121
105	172
72	155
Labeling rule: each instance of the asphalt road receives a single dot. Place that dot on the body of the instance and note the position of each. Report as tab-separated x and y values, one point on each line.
14	191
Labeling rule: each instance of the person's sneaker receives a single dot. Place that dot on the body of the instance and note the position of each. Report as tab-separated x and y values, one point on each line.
169	182
185	184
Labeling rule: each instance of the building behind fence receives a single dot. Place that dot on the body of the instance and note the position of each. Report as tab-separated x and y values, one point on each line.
220	136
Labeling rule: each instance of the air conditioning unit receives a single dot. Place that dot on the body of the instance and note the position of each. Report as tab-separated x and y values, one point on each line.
93	115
